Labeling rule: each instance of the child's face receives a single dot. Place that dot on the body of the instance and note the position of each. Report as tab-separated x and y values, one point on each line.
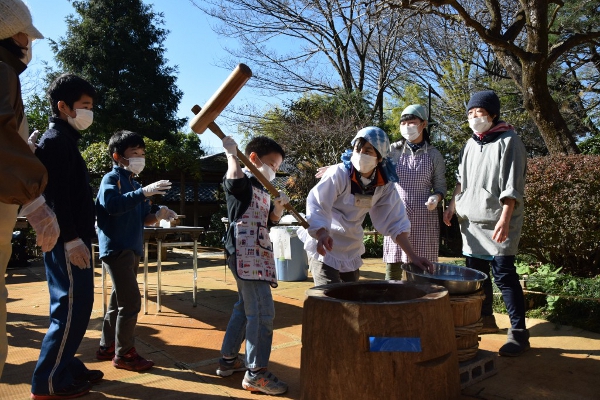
132	152
272	160
84	102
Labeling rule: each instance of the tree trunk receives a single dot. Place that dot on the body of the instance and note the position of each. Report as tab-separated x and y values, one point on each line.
544	111
531	77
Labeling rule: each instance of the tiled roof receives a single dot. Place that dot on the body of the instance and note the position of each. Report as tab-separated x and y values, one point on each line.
214	163
207	193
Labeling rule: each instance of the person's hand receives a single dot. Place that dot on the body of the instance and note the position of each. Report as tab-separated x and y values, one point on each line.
321	171
448	213
78	253
32	141
324	242
160	187
279	202
43	221
432	202
165	213
230	146
422	263
501	231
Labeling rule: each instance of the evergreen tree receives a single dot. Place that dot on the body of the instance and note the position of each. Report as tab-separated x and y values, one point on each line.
117	45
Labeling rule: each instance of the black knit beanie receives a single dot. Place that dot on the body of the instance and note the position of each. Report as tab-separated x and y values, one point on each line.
487	100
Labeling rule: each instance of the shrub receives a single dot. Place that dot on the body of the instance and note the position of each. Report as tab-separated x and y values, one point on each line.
562	213
557	297
373	248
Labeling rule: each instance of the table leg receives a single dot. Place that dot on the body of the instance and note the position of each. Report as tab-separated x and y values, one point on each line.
158	271
103	288
146	277
195	266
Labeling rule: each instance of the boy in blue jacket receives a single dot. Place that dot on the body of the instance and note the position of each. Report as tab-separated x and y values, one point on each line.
123	209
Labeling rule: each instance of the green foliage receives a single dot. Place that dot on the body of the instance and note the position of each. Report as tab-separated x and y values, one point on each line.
373	248
557	297
562	213
37	109
98	161
215	237
117	45
590	145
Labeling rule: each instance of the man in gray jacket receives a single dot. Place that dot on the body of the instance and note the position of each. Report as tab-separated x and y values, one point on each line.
488	201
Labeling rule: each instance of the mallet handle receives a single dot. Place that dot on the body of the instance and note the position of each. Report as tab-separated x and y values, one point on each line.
242	157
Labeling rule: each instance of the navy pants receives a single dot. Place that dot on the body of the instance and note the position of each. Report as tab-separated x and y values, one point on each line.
71	300
506	278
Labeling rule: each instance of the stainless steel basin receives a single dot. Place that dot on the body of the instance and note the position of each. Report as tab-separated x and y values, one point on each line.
457	279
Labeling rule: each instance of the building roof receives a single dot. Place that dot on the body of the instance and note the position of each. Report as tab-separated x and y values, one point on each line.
208	192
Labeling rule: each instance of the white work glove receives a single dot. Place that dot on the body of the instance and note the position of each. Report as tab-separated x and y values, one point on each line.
432	202
165	213
43	221
160	187
32	141
230	146
78	253
279	202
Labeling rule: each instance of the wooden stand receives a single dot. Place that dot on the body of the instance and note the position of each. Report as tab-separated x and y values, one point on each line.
378	340
466	314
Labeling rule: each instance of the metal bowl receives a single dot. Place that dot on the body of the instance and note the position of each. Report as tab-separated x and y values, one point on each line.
457	279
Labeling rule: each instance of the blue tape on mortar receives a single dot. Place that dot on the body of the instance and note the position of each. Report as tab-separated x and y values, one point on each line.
403	344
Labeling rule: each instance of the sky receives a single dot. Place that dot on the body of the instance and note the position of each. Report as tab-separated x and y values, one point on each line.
191	45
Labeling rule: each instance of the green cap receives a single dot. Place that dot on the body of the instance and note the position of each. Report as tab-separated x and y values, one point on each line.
416	110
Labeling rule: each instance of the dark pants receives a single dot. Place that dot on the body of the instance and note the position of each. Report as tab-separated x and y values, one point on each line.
505	276
323	274
125	301
71	300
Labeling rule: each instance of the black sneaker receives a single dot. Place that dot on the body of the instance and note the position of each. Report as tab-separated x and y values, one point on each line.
93	376
76	389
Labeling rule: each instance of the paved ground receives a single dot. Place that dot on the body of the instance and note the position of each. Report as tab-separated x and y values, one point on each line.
184	341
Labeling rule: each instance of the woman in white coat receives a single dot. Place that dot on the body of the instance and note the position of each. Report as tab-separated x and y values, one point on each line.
336	208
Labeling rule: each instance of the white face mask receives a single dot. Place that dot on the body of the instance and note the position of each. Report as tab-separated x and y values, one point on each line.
136	164
480	125
363	162
410	132
266	171
83	119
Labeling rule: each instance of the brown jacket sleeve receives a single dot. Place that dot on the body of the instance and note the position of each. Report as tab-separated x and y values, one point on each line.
22	176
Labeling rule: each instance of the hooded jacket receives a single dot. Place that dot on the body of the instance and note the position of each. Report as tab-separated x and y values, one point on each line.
23	175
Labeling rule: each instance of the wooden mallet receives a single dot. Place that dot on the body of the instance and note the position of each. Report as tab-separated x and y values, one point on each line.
206	116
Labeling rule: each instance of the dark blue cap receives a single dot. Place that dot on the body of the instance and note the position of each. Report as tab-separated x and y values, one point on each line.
488	99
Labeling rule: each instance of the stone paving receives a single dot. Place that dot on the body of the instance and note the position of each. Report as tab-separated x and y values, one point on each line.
184	341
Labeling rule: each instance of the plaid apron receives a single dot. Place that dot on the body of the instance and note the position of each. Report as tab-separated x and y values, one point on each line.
415	173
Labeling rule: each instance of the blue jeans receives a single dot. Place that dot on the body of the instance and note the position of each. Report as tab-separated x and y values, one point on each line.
506	278
125	301
71	300
252	319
